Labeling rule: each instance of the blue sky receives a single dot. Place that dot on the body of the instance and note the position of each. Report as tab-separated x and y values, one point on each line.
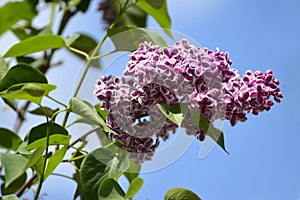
264	159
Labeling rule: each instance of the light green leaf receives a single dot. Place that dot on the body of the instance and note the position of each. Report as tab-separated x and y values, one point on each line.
13	165
22	73
34	157
133	171
180	194
56	139
110	189
173	113
9	139
9	197
134	187
158	10
54	161
13	12
97	166
88	113
33	92
128	38
35	44
3	68
71	4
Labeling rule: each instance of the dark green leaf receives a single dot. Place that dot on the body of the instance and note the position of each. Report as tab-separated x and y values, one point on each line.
22	73
134	187
40	131
21	33
70	40
133	171
181	194
134	16
33	92
110	189
97	166
217	135
158	10
83	5
9	17
13	165
43	111
9	139
88	112
9	197
3	68
128	38
55	160
35	44
86	44
14	186
11	103
25	60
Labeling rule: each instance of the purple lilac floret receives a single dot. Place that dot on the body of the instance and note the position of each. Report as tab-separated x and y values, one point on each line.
181	73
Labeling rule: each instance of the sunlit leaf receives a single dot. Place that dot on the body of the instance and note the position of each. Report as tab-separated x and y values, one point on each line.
9	139
97	166
13	12
3	68
110	189
9	197
13	165
71	4
35	44
54	160
173	113
128	38
158	10
33	92
180	193
134	187
88	113
56	139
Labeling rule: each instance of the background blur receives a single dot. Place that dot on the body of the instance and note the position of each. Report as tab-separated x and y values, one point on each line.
264	159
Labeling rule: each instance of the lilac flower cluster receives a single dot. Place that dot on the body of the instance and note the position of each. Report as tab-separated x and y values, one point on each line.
181	73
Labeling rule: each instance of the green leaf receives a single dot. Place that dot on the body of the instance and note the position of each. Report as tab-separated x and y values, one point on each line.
181	194
97	166
110	189
43	111
35	157
158	10
22	73
3	68
173	113
88	112
11	103
9	139
9	17
133	171
134	16
14	186
33	92
128	38
35	44
83	5
71	39
40	131
71	4
134	187
55	139
217	135
86	44
21	33
9	197
54	161
13	165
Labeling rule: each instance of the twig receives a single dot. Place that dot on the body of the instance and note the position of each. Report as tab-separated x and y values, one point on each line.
26	185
